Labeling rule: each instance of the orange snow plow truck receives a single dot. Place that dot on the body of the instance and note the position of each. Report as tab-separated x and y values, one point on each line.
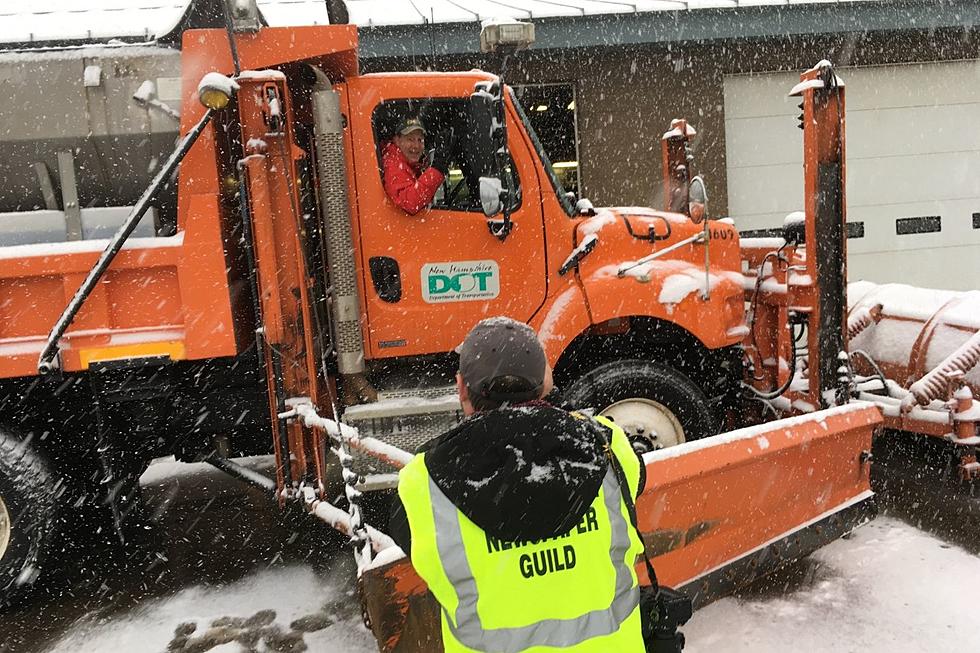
296	310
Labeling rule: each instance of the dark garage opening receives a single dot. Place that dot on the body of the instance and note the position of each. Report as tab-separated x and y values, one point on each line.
551	110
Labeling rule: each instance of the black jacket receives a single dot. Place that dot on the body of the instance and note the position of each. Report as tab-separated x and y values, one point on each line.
526	472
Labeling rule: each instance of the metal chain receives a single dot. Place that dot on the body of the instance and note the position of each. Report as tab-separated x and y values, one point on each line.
359	535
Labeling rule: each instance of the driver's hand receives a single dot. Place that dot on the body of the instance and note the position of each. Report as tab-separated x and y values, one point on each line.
444	144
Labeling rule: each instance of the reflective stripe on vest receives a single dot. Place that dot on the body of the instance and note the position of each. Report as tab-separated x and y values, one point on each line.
468	629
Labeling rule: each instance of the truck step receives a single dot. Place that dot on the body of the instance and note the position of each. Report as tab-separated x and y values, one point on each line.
405	418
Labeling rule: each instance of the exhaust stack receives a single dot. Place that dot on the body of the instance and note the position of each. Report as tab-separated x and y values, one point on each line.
331	167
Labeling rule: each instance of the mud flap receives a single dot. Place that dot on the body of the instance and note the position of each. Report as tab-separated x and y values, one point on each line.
399	609
716	514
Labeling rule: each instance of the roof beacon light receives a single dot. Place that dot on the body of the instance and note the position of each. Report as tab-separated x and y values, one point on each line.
245	16
505	35
215	90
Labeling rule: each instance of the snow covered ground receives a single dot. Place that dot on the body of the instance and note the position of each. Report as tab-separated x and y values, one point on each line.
302	601
229	567
890	587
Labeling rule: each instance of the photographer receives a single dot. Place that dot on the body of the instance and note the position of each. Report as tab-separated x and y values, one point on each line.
515	518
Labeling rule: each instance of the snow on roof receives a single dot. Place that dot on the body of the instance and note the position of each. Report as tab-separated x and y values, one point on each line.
367	13
99	20
90	20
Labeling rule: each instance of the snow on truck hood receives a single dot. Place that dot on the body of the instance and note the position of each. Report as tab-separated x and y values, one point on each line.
616	214
635	223
679	278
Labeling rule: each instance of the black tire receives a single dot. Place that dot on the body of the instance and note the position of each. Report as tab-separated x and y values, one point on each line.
29	491
625	379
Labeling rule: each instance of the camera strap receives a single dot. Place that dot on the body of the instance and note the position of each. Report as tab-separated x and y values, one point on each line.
620	475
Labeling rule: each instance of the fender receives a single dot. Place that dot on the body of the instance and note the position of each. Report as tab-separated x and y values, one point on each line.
563	317
669	288
672	291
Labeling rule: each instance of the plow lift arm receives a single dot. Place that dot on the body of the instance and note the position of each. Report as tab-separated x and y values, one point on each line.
825	226
287	280
801	278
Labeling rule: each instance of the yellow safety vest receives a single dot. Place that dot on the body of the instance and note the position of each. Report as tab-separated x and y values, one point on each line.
577	592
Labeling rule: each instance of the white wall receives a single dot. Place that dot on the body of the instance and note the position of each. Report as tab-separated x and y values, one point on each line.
913	149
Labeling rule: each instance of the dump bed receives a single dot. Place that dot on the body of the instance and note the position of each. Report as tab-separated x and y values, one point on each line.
163	296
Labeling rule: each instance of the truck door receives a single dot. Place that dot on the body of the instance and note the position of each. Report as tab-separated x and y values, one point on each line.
428	278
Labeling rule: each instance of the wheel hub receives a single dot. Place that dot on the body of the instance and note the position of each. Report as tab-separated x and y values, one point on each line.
4	528
648	424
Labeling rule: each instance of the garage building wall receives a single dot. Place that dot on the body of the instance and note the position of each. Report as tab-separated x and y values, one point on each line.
913	163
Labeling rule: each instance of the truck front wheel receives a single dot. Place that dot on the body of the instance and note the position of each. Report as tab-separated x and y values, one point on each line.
27	515
655	405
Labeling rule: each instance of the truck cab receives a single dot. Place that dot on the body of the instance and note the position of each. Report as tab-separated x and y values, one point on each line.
453	271
581	277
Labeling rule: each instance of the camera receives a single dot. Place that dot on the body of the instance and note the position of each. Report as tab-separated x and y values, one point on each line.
665	610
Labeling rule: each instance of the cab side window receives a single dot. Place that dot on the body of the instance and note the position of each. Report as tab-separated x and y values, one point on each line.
445	121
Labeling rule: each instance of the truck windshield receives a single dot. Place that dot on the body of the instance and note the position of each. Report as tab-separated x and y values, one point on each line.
566	202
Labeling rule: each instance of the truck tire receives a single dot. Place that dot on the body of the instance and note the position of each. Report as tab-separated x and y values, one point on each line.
656	405
28	491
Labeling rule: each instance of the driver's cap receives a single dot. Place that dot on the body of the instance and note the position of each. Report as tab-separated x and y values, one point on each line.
409	125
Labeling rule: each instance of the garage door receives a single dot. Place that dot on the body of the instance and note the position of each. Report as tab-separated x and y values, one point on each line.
913	167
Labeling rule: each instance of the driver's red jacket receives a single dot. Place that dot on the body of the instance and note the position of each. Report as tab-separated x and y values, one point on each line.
409	185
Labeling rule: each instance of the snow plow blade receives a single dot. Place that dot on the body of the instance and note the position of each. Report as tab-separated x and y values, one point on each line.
717	514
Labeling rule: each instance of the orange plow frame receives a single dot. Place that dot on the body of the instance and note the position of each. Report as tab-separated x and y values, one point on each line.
717	514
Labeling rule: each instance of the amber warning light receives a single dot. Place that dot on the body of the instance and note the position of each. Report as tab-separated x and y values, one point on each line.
215	91
505	35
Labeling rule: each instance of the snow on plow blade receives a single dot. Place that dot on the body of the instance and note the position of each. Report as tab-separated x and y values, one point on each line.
716	514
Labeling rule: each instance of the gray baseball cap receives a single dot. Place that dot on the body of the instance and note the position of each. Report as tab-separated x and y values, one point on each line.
502	360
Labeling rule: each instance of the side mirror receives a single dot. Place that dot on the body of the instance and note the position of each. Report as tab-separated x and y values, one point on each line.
491	192
485	130
488	146
697	199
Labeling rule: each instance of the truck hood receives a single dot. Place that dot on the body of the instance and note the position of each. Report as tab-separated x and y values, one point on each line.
636	222
618	275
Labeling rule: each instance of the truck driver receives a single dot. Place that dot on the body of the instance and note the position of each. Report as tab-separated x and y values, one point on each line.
408	181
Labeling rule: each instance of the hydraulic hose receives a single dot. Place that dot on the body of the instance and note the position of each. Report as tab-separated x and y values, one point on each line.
772	394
